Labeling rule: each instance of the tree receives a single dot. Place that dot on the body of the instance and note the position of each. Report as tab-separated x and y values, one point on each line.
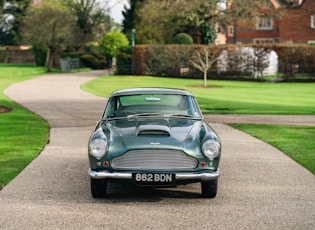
112	41
11	17
160	20
130	17
49	25
91	17
205	58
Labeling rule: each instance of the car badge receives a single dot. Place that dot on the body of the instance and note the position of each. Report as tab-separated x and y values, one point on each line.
154	143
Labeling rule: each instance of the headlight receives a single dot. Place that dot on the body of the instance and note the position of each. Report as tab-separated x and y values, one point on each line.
211	149
98	148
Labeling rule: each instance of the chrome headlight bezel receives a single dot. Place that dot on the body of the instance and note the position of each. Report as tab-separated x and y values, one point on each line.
98	148
211	149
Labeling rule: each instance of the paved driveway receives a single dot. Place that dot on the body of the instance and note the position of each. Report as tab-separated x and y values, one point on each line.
260	188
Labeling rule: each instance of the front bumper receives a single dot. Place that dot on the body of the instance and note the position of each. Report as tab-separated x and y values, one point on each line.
205	176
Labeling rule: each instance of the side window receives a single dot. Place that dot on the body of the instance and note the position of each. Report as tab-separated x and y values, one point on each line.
111	107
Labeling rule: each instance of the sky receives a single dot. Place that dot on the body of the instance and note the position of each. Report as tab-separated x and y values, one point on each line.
117	7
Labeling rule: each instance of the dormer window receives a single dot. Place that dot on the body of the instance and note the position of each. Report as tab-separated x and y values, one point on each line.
291	3
264	23
296	2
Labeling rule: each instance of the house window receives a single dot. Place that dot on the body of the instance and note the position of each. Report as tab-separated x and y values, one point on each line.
230	31
313	21
263	40
264	23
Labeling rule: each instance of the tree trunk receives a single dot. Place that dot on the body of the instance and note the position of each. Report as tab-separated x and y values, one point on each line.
205	72
50	60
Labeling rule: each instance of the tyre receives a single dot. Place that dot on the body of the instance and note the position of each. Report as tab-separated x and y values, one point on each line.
209	188
98	188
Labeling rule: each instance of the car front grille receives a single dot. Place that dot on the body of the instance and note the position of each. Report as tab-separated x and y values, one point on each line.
155	160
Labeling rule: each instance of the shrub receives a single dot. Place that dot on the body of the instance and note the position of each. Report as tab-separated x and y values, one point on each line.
3	55
40	55
99	56
183	38
90	61
296	62
102	64
111	42
165	60
94	61
70	55
124	60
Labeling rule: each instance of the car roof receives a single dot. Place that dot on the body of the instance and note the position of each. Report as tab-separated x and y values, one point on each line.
135	91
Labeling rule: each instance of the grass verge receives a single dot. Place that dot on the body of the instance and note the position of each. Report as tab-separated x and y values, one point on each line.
296	141
22	133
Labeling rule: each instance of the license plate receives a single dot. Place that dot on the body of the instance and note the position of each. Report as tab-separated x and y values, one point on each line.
161	179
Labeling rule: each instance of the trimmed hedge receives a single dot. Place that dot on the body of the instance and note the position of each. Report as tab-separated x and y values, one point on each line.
124	61
296	62
94	61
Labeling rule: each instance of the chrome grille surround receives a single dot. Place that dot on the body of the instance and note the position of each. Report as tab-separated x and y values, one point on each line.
157	159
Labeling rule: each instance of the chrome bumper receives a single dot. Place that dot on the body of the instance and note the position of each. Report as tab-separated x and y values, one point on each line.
179	176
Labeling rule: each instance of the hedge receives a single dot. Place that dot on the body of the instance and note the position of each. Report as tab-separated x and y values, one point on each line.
296	62
124	61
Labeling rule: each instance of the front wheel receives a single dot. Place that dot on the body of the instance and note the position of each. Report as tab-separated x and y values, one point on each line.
98	188
209	188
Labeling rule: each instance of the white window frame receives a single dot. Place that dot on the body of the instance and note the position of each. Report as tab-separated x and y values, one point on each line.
313	21
230	31
263	40
264	23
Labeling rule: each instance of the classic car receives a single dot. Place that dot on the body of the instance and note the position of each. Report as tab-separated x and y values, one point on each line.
153	137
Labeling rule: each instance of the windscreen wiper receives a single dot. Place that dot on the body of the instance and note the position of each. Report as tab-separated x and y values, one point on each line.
141	115
184	116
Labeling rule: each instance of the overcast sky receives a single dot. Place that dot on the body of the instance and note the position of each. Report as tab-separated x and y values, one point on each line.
117	7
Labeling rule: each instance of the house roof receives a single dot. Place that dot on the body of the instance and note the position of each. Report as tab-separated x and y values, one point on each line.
291	3
276	3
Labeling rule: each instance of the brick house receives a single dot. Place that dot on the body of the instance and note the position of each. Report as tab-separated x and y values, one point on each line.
295	25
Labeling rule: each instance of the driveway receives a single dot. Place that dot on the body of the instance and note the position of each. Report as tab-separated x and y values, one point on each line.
260	187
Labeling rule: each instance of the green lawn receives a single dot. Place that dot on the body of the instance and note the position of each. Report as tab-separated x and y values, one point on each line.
224	97
22	133
296	141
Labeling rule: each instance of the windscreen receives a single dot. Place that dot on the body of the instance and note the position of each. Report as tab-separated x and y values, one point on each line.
159	104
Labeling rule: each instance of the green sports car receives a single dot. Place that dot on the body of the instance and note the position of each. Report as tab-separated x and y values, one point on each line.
153	137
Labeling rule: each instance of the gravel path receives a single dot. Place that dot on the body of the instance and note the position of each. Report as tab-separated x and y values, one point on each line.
260	187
